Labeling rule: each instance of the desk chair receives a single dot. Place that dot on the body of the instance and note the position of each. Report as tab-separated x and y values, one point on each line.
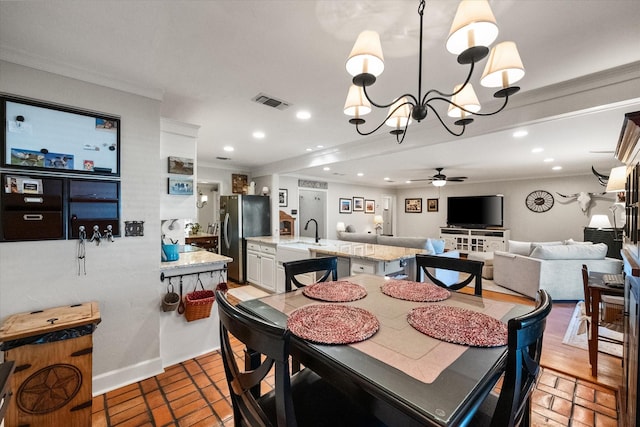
304	399
424	264
512	407
328	265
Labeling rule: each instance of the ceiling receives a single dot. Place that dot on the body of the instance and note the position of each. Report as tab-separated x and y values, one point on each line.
207	60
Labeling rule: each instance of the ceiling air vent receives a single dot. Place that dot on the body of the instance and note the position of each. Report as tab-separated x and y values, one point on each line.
270	101
223	158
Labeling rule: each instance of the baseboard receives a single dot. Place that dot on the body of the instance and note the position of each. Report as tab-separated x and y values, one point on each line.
124	376
181	358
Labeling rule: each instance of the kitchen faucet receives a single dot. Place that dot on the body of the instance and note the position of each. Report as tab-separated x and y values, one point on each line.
316	223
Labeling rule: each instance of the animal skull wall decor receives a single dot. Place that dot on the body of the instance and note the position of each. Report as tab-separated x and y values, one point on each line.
584	199
602	178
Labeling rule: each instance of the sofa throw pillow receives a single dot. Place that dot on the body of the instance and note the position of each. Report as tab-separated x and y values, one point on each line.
555	252
438	245
574	242
519	248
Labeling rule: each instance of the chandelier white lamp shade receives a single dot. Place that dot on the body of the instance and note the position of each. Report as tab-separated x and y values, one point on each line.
399	115
439	182
356	104
473	30
504	68
463	102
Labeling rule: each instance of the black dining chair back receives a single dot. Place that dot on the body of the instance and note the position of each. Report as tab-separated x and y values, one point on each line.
327	265
244	384
424	264
303	399
512	406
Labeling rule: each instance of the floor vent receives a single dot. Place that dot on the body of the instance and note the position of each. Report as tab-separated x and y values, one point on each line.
270	101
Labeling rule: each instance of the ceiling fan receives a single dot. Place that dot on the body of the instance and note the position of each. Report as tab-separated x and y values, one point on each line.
441	179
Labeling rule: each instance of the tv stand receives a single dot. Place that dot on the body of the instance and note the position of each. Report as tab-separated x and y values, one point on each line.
475	239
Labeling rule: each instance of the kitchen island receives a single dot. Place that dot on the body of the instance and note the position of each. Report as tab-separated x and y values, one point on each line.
353	258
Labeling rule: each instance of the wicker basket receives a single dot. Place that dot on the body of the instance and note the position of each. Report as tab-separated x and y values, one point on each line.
198	305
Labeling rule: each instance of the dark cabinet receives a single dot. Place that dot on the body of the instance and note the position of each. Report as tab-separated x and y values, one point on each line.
35	207
612	238
36	215
94	203
631	350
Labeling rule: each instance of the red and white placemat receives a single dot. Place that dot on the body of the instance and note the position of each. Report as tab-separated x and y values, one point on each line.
335	291
332	323
458	325
414	291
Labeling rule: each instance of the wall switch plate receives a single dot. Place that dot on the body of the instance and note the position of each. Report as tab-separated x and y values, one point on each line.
133	228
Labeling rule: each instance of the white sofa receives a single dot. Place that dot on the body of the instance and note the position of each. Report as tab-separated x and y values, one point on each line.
553	266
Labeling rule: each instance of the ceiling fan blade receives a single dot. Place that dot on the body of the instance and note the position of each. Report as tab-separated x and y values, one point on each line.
457	178
421	179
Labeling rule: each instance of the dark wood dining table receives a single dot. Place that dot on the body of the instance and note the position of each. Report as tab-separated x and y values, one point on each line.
404	377
598	288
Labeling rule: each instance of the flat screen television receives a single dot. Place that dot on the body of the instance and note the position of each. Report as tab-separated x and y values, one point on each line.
475	211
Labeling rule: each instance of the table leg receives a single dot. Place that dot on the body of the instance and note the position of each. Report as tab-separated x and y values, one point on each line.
593	339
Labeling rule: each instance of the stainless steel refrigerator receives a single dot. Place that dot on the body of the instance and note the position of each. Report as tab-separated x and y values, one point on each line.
242	216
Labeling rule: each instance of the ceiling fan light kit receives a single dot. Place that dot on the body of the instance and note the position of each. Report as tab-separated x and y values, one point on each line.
473	30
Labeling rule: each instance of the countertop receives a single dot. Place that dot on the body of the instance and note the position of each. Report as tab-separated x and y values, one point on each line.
195	259
341	248
200	236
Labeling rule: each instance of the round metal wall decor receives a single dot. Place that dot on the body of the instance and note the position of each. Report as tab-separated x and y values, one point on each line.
539	201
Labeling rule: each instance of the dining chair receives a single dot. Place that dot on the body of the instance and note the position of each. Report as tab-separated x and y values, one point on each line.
588	315
524	347
302	399
327	265
426	263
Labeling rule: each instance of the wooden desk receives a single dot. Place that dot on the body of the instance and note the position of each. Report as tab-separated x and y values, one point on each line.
375	372
597	288
204	241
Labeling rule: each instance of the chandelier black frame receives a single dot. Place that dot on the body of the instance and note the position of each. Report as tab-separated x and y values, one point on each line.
420	105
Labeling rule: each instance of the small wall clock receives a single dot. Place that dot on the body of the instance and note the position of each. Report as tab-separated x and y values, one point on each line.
539	201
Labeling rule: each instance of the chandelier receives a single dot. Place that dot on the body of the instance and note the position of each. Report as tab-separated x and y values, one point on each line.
473	30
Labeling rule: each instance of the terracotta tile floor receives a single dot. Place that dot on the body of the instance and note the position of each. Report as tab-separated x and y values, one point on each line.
195	393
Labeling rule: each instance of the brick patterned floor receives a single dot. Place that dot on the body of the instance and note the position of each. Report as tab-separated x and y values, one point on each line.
561	400
195	393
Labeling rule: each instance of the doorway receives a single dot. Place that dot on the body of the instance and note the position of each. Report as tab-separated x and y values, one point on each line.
208	214
312	205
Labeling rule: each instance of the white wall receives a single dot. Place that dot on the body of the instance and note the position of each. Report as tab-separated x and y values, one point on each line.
565	220
123	276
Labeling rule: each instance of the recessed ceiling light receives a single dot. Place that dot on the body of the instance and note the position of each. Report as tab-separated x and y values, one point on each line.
537	150
548	160
386	178
326	168
556	168
258	134
360	174
408	181
303	115
520	133
228	148
320	146
309	149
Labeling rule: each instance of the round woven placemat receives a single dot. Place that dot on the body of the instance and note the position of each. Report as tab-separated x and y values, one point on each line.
335	291
458	325
414	291
332	323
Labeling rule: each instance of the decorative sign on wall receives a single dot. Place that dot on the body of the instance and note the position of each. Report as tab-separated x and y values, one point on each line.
182	187
239	183
180	165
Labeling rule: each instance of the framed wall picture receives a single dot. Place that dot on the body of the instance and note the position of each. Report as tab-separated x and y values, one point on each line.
432	205
182	187
180	165
358	204
283	197
345	206
238	183
413	205
369	206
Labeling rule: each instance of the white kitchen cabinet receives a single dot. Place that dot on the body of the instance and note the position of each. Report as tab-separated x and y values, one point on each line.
261	265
